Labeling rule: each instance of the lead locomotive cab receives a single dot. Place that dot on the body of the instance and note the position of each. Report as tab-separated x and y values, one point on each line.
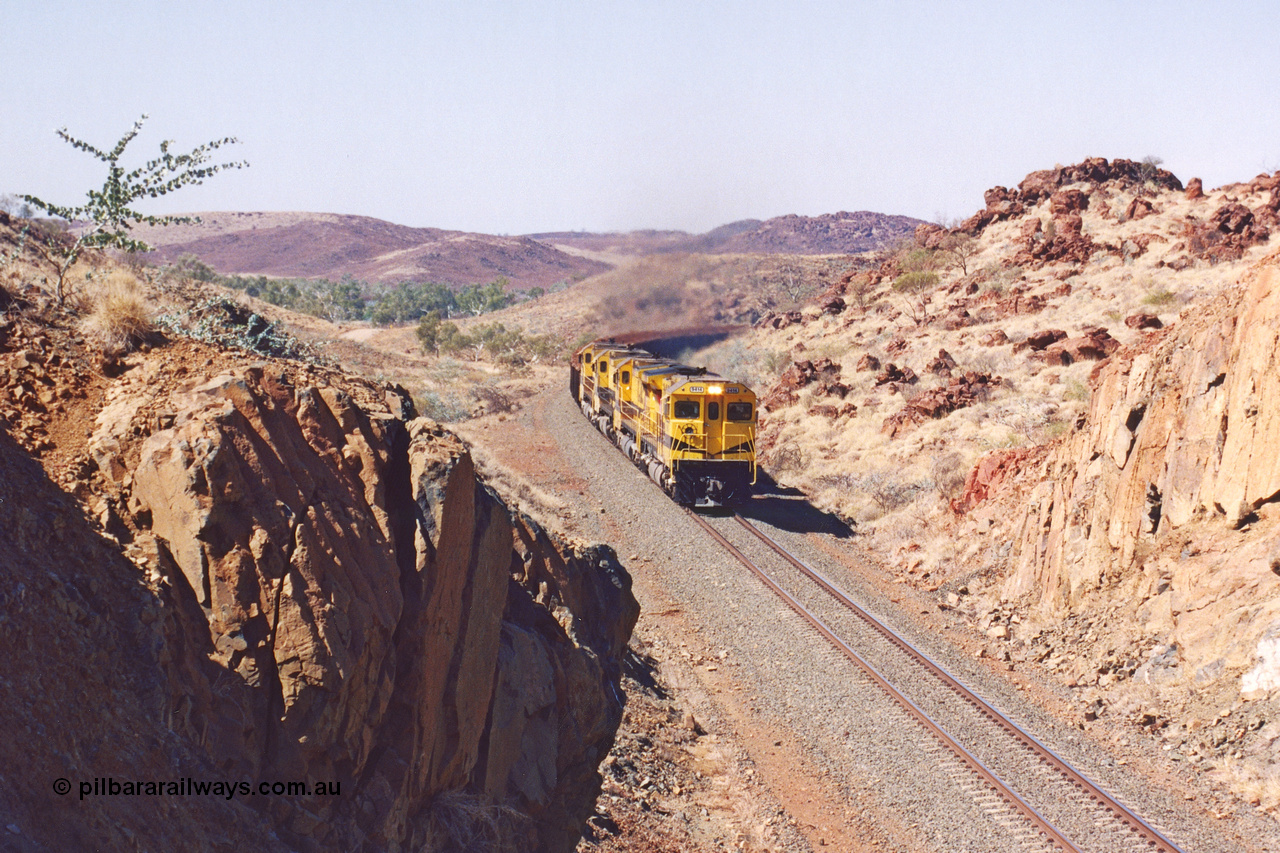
691	431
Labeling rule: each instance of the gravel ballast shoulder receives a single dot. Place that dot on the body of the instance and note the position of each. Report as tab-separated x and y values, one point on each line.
825	758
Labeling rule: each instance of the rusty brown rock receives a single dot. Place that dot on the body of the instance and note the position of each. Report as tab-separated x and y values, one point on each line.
367	609
894	374
1139	208
1195	189
962	391
1068	201
994	338
1143	320
1232	218
942	364
831	305
990	473
1039	340
824	375
930	235
868	362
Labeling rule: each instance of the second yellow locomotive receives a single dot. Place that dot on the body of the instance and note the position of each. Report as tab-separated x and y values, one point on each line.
693	432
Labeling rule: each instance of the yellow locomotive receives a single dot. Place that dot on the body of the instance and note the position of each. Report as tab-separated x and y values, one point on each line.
693	432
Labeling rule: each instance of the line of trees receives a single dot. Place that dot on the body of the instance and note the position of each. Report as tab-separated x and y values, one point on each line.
351	299
505	346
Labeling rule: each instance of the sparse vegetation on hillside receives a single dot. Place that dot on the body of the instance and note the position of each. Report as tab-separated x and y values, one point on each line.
1031	292
511	347
120	317
109	210
351	299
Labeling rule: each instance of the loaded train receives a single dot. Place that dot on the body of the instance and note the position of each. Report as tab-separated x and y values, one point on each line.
692	432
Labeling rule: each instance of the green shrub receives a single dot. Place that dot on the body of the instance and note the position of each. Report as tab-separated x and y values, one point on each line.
915	282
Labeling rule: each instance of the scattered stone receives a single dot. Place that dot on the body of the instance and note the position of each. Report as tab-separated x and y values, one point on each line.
994	338
832	305
1040	340
1143	321
942	364
1067	201
962	391
868	362
824	374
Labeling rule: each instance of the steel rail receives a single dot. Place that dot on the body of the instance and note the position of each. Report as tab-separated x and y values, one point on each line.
997	785
1156	840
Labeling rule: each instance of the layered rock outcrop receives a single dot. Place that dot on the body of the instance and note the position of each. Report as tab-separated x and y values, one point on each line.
1166	496
337	598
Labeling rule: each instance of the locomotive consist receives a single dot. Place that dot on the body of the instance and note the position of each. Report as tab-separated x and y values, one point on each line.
693	432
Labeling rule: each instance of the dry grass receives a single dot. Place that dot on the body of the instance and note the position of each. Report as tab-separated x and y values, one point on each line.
850	467
469	823
119	313
1258	787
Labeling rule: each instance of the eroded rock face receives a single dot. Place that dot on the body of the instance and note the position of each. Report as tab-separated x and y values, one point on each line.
1166	495
346	602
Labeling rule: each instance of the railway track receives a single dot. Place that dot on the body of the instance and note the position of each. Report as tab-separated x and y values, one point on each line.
986	754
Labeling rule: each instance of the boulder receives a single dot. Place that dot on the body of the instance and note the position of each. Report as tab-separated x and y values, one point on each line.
1067	201
992	471
894	374
994	338
956	318
831	305
1094	345
1143	321
868	362
942	364
824	374
1039	340
1232	218
1139	208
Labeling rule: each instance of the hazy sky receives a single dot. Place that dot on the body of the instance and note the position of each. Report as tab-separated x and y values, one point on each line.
514	117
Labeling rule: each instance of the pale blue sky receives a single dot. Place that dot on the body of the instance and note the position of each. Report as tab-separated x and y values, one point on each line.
507	117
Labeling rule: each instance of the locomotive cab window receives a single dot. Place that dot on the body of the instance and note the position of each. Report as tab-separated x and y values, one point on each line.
626	377
602	365
713	410
686	409
738	411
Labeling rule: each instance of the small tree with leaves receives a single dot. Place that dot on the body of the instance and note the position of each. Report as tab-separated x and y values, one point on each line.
109	210
959	249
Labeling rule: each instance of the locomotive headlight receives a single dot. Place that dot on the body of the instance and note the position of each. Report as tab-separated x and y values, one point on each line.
716	389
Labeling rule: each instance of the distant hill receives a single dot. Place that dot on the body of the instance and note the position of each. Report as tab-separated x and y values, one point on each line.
326	245
842	233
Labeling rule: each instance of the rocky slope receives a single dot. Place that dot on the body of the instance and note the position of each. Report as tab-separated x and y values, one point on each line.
1095	350
840	233
325	245
225	567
